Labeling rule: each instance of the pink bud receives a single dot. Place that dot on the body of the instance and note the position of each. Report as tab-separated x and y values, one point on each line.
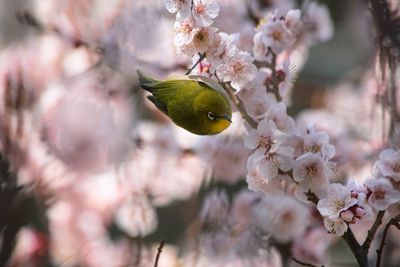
354	194
347	215
359	212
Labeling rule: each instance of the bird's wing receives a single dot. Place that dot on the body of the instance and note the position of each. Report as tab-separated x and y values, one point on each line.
211	83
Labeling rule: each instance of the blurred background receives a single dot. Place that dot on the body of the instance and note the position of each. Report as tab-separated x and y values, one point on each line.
93	175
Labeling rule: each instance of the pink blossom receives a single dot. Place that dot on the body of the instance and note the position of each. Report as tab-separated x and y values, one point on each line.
180	6
382	193
389	164
335	226
283	217
239	70
204	11
338	200
311	171
137	217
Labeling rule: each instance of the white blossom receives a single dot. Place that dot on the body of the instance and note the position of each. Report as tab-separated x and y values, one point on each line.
382	193
255	97
265	138
180	6
283	217
389	164
239	70
222	49
318	142
204	11
335	226
293	20
260	50
311	171
258	183
215	208
137	217
277	113
184	33
203	38
338	199
276	35
318	23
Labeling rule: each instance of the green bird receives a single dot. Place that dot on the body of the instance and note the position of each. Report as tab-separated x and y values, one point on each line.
199	104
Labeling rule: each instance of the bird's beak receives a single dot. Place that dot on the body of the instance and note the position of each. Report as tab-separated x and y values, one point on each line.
227	117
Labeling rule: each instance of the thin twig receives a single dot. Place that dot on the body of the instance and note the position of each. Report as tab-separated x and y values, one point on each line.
201	58
239	105
303	263
159	250
371	233
394	221
275	86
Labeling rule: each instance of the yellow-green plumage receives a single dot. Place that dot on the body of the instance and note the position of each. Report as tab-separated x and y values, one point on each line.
198	106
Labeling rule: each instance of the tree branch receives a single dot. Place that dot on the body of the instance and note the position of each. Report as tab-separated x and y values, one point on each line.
371	233
159	250
239	105
394	221
275	86
201	58
355	247
303	263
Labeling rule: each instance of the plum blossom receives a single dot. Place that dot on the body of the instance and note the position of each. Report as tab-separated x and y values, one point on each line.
275	35
260	50
239	70
137	217
283	217
190	41
335	226
258	183
318	23
287	75
222	49
382	194
180	6
283	122
215	208
255	97
204	11
293	20
318	142
389	164
338	199
312	246
264	138
203	38
184	31
311	171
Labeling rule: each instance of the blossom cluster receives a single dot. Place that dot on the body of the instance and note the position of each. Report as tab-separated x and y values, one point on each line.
79	140
285	156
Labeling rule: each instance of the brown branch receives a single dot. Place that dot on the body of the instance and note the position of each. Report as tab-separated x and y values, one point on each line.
239	105
355	247
201	58
159	250
371	233
394	221
303	263
275	85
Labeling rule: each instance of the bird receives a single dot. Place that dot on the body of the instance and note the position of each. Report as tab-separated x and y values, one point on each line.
197	104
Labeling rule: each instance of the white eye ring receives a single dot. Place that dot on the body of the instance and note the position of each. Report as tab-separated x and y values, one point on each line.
211	116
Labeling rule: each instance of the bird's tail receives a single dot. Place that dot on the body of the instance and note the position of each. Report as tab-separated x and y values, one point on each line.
147	83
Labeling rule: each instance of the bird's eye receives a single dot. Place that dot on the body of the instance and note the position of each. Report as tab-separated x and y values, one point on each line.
211	116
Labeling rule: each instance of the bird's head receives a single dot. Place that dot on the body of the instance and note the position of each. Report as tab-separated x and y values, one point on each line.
215	112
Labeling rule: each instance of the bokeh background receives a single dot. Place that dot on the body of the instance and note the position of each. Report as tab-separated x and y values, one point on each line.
93	175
